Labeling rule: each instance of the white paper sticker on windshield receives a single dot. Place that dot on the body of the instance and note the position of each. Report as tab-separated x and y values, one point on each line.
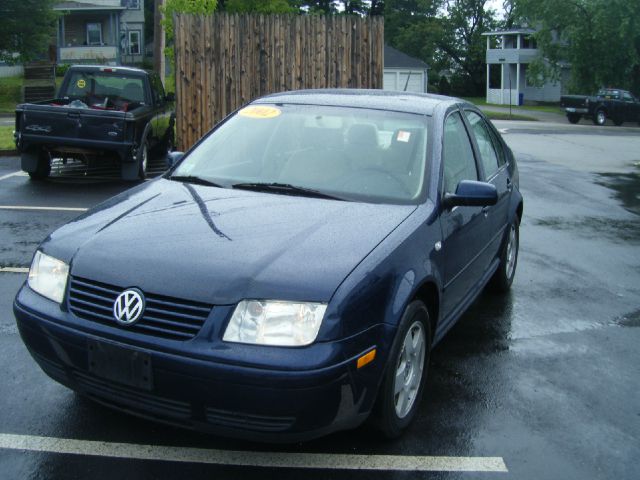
403	136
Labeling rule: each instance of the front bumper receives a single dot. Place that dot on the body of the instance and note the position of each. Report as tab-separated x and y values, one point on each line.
267	403
582	111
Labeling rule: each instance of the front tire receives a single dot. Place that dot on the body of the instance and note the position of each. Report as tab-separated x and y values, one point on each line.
503	277
600	118
573	117
406	372
143	160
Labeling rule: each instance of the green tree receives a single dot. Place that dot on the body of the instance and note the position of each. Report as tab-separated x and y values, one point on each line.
204	7
27	28
599	40
446	34
463	44
259	6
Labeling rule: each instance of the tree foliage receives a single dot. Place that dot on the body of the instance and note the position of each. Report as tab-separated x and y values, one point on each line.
27	28
204	7
446	34
599	40
259	6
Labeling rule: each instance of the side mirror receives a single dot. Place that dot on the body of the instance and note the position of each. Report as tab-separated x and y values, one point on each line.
170	97
470	193
173	158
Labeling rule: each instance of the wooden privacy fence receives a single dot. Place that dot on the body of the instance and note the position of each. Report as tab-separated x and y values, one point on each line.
225	60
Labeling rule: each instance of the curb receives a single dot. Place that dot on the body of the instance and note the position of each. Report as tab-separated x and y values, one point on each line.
8	153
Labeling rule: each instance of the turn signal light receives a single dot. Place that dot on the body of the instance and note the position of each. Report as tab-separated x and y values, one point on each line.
366	358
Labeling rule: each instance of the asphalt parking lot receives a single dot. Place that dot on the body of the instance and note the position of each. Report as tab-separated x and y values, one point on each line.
543	383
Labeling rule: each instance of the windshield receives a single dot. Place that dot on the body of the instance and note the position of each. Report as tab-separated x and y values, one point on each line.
348	153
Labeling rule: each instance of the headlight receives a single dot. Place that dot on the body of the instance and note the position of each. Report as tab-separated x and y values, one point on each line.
275	323
48	276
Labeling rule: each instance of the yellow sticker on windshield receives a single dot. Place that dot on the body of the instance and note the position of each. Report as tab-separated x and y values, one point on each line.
81	83
260	111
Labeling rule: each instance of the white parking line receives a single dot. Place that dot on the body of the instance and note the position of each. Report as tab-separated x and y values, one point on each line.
55	209
9	175
14	270
252	459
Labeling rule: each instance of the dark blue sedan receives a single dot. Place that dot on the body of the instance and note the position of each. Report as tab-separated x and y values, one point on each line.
290	274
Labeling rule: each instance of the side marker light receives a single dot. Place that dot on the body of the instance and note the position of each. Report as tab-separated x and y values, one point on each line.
366	358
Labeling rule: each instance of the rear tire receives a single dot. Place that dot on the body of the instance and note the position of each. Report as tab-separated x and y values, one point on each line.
600	117
406	372
503	277
573	117
43	168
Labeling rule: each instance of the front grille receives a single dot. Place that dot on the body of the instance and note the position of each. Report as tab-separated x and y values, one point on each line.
262	423
164	317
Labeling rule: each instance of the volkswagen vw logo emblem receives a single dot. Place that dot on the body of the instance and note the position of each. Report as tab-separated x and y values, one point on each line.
128	307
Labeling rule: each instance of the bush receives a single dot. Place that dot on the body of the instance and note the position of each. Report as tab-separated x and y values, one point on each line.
61	70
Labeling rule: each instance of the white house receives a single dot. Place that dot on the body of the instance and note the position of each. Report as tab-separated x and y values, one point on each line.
100	31
404	73
509	53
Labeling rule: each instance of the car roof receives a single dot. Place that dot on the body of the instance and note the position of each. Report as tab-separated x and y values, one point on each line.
418	103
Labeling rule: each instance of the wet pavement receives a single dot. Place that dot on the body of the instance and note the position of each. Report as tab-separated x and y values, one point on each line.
546	377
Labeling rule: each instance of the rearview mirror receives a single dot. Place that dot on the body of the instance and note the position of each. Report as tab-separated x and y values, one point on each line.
470	193
173	158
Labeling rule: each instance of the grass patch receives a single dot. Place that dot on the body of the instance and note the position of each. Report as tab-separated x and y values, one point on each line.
6	138
480	101
11	91
505	116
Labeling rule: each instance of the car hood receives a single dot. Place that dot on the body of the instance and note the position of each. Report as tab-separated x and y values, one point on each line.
219	245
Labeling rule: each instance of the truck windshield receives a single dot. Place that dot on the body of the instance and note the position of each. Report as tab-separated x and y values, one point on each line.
347	153
95	88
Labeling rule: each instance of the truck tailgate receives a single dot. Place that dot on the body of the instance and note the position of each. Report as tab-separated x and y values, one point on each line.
64	122
573	101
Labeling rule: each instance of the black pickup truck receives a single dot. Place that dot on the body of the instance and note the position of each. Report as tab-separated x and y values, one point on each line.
618	105
101	114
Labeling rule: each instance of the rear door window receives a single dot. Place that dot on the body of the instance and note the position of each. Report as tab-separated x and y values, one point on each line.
459	163
485	143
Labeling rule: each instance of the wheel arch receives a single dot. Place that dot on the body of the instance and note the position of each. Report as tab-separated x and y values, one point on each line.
429	294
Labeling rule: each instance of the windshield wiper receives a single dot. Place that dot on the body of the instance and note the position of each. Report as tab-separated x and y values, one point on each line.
284	188
195	180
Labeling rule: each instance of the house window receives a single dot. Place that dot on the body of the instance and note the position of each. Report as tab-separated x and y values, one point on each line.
94	34
131	4
528	42
134	42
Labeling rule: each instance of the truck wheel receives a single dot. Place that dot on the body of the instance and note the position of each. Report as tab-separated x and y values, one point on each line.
143	160
406	372
600	118
573	117
43	167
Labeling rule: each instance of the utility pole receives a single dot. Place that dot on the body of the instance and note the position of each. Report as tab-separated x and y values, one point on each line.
158	40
